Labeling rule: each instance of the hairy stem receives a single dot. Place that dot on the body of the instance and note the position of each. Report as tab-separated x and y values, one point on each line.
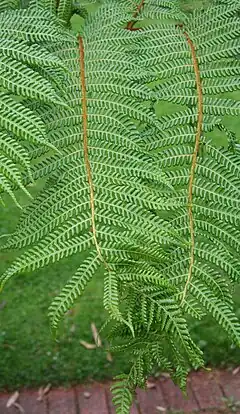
131	24
194	161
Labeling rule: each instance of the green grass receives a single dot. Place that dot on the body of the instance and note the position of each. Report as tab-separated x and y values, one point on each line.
30	356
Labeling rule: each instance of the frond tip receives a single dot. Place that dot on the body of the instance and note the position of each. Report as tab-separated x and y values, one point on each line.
74	288
122	395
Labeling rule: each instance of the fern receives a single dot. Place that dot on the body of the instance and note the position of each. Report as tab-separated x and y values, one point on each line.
24	59
151	200
8	4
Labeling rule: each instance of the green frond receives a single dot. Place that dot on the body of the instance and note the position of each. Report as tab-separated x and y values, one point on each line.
15	151
73	289
220	311
162	9
21	78
8	4
50	5
21	121
64	10
224	68
11	173
212	15
41	26
111	299
34	55
85	3
122	395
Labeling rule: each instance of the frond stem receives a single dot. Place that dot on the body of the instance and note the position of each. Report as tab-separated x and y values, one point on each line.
132	23
86	148
194	161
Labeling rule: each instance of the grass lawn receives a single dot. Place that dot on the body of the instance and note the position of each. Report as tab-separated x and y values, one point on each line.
30	356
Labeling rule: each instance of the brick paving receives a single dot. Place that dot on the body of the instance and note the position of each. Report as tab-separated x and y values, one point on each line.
212	392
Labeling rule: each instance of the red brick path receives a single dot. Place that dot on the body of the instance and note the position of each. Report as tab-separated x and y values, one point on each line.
208	392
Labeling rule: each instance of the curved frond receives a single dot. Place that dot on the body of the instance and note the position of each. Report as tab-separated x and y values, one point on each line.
22	61
75	287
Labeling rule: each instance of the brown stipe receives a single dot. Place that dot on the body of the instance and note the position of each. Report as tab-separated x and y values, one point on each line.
85	146
194	161
132	23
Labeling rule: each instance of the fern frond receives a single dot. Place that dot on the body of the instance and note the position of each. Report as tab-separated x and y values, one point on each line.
8	4
105	118
74	288
205	175
22	61
34	55
64	10
122	395
41	26
162	9
50	5
23	81
221	312
111	299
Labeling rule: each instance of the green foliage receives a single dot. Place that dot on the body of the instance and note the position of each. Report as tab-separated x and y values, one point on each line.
27	70
152	200
8	4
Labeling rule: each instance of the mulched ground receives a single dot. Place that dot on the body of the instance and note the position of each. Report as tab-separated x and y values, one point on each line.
208	392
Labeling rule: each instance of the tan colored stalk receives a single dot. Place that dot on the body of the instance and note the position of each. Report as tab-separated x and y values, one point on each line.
131	24
85	146
194	163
